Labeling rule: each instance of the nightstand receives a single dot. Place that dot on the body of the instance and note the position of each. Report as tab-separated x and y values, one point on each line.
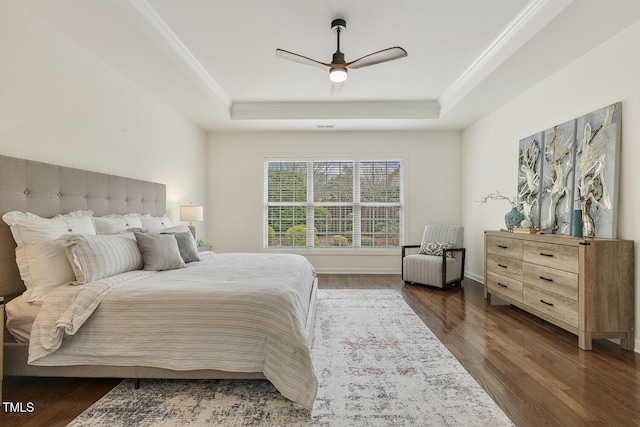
205	247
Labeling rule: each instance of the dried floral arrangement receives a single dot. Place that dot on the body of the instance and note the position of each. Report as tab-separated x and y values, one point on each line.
496	195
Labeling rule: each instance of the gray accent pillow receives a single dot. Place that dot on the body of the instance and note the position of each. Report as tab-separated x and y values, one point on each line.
159	251
186	245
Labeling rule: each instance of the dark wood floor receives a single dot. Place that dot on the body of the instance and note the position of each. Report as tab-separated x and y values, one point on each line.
533	370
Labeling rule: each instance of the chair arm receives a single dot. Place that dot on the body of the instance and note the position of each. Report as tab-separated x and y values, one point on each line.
454	250
444	265
404	247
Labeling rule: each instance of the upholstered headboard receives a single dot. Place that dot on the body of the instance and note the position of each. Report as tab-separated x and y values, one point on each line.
47	190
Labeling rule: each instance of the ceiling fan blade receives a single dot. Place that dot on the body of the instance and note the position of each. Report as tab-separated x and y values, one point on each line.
290	56
336	89
378	57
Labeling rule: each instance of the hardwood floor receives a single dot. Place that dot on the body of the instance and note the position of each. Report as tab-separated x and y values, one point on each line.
532	369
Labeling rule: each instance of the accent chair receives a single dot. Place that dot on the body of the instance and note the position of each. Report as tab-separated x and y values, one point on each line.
440	259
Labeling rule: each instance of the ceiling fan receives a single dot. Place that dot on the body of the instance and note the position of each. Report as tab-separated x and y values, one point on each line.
338	67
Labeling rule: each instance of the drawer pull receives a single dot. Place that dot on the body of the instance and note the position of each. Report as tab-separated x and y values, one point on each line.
545	279
504	286
502	266
503	247
547	303
549	255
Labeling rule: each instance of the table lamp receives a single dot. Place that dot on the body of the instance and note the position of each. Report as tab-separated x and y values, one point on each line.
191	213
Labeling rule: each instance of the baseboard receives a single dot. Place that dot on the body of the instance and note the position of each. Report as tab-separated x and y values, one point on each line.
382	271
359	271
475	277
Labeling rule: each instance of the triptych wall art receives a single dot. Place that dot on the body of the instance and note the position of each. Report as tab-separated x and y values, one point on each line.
572	167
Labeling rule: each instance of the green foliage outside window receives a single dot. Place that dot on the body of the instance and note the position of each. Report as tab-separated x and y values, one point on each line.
367	241
271	235
340	241
297	236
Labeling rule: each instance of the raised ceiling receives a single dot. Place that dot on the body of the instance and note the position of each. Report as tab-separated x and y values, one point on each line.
215	62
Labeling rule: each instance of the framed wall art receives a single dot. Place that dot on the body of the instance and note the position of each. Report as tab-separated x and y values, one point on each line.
529	175
556	202
597	163
572	167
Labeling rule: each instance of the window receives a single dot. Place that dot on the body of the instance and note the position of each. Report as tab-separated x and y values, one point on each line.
336	204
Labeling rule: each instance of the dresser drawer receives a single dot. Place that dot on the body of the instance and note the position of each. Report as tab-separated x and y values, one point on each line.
563	257
504	266
504	246
550	279
505	286
557	306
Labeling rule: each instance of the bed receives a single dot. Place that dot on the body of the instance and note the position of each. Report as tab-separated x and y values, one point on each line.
226	316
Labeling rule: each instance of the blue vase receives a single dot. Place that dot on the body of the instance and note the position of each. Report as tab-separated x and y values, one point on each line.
577	223
513	218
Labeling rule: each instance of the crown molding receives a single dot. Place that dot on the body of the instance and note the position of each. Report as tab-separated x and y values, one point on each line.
335	110
160	28
531	19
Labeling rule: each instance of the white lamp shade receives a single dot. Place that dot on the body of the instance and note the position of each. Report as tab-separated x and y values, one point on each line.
338	75
191	213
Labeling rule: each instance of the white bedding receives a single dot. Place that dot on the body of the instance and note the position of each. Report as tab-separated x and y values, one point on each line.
20	317
230	312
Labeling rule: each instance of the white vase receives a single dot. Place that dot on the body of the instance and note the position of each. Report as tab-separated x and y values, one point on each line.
526	223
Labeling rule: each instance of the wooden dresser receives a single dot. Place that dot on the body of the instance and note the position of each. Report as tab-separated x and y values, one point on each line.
585	286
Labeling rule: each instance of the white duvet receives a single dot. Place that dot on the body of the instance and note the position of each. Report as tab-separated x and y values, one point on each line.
230	312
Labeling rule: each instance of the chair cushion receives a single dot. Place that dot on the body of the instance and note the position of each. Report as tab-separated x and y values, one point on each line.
427	269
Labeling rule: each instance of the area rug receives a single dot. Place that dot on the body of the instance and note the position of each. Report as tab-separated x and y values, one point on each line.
377	365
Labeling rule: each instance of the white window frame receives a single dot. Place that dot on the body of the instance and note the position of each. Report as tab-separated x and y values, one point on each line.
356	204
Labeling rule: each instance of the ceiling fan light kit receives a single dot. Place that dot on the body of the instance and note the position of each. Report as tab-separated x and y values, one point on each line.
338	75
338	68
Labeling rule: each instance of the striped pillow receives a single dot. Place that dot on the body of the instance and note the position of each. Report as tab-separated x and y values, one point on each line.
96	257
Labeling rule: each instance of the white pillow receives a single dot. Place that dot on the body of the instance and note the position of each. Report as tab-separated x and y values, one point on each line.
155	222
42	264
114	224
43	267
30	228
96	257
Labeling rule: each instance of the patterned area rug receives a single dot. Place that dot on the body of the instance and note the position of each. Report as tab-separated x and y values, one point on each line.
377	365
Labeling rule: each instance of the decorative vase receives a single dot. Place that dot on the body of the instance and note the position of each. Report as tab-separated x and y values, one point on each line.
513	218
588	227
577	223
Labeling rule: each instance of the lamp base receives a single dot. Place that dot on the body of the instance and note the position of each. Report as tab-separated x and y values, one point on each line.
192	229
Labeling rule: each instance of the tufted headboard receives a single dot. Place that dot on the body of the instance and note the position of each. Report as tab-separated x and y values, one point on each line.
47	190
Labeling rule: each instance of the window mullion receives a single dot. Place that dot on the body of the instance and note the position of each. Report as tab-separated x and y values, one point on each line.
309	219
356	205
265	210
401	209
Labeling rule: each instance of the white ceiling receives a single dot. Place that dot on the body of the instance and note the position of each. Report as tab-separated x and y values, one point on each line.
214	60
